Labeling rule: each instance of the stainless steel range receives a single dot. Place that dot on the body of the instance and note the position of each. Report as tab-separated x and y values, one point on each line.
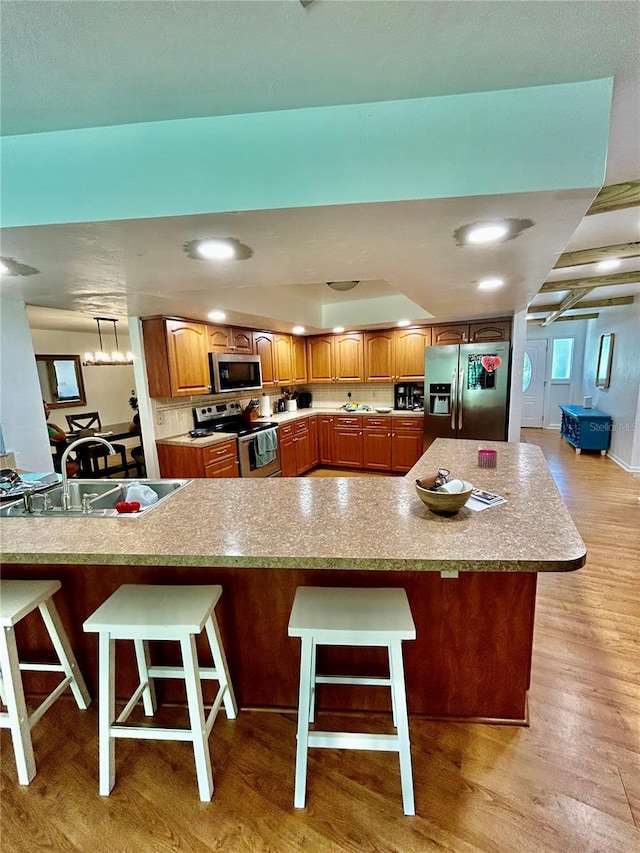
258	457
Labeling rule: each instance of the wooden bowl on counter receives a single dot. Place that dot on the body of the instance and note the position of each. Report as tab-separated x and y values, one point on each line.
440	502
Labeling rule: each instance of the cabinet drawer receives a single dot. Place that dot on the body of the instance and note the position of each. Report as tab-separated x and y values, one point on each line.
377	423
414	424
301	426
353	423
285	430
226	450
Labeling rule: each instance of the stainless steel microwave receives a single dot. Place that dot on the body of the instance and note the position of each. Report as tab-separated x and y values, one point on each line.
231	372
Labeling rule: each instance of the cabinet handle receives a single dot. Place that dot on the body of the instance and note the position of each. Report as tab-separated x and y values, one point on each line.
393	435
389	434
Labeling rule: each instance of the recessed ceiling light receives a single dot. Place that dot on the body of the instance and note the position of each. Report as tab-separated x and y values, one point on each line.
490	283
487	232
298	330
217	249
217	316
338	329
608	264
342	285
404	322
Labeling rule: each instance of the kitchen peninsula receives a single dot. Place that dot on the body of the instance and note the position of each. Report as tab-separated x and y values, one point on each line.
470	579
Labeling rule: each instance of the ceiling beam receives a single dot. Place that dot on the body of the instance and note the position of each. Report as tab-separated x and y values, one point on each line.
616	197
592	303
592	256
632	277
568	302
538	321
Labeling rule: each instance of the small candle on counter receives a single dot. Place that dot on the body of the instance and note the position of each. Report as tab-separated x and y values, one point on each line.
487	458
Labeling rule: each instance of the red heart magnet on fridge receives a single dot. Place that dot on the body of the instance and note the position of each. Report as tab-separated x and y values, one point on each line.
491	362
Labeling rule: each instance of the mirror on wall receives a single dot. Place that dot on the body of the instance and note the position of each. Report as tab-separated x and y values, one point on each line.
61	380
605	354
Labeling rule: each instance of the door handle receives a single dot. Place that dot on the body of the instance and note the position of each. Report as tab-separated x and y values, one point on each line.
460	387
453	399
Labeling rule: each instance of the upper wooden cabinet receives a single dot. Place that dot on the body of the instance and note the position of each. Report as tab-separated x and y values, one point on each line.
450	334
176	357
395	355
335	358
299	359
263	343
479	332
230	339
282	359
489	331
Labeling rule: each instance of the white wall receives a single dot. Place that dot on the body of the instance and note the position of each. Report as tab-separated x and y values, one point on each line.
621	398
21	413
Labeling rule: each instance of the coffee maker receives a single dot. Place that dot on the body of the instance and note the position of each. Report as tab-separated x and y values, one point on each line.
408	396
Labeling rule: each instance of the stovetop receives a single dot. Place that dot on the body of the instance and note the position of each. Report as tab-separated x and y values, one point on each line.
224	417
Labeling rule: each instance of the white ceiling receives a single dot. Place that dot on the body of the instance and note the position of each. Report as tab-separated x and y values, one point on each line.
70	65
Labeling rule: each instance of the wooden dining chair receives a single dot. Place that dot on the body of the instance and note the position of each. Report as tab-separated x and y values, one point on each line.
94	458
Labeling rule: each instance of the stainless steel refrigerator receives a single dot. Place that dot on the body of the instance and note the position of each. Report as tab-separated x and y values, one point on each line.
466	391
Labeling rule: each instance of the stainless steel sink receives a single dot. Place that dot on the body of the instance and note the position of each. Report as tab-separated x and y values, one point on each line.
90	499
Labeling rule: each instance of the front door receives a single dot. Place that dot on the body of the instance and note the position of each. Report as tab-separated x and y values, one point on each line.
534	382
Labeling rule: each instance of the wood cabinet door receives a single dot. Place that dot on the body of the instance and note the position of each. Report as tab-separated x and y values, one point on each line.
313	442
187	353
241	341
320	358
409	352
489	331
219	338
263	343
288	456
407	446
326	451
282	358
348	447
303	450
376	444
348	355
379	360
177	461
442	335
299	359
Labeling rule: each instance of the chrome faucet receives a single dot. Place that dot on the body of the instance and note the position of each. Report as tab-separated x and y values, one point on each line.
66	496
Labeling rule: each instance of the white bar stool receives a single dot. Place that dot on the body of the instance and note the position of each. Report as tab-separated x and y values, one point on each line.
323	616
141	613
17	599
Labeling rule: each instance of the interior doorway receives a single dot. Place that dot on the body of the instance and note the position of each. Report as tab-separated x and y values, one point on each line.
534	382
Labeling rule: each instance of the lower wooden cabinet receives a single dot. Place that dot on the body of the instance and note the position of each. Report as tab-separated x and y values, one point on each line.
376	444
296	455
407	443
326	451
217	460
347	440
313	441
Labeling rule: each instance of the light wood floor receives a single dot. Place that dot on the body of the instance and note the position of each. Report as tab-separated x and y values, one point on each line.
570	782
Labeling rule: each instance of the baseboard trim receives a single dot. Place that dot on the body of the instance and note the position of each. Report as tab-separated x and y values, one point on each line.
630	469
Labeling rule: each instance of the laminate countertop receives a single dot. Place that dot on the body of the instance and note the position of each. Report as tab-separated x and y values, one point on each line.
363	523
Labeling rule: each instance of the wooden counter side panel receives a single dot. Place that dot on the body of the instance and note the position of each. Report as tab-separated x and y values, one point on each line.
471	658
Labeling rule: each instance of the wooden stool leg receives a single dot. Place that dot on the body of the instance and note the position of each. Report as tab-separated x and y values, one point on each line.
402	723
58	635
220	663
149	694
196	717
106	712
16	707
307	666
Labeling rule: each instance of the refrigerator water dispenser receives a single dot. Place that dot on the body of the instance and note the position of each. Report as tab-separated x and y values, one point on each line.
440	399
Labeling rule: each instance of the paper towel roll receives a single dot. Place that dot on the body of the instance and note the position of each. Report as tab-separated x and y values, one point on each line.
265	406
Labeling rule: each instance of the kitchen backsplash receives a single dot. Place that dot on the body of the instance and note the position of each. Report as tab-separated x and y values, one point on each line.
174	417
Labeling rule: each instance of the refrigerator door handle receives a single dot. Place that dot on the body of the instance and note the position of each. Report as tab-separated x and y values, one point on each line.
454	399
460	387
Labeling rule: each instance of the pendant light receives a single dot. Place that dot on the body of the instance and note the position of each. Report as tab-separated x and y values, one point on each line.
100	356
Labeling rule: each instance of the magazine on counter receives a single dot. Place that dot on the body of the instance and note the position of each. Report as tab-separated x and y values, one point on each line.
482	499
